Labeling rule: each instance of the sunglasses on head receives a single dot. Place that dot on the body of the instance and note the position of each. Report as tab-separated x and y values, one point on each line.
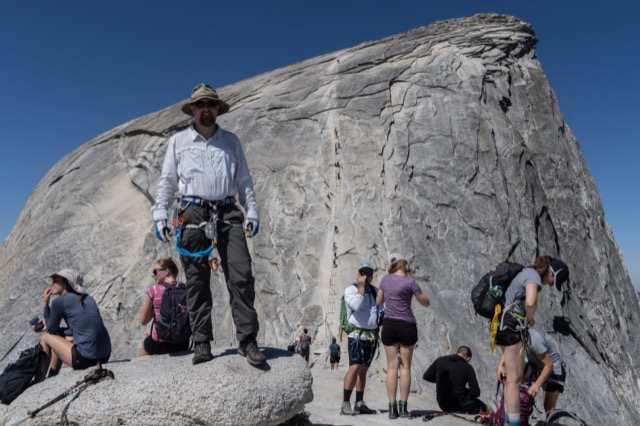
202	104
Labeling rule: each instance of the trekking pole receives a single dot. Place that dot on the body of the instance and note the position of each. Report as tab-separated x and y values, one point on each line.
90	379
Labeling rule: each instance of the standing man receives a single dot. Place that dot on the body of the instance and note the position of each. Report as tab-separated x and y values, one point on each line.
360	300
207	166
451	374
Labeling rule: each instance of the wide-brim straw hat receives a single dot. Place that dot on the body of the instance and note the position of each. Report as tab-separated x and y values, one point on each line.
204	91
74	279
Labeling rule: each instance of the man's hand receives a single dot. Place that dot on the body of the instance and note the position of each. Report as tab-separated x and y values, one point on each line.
251	227
162	231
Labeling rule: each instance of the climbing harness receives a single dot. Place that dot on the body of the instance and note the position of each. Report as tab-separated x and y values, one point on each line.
90	379
210	227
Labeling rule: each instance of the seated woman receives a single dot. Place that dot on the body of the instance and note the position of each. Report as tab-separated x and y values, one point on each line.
165	272
90	343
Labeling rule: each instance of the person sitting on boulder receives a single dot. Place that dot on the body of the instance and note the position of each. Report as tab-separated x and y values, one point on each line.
165	271
452	374
544	368
91	342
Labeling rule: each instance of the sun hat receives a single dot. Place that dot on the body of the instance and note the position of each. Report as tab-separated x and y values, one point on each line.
365	265
560	272
74	279
204	91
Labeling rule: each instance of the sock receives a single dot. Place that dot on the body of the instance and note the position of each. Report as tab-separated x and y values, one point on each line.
346	396
514	419
359	396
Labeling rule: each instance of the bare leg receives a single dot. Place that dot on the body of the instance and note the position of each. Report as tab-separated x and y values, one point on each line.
392	371
514	363
550	399
351	377
362	378
406	355
58	345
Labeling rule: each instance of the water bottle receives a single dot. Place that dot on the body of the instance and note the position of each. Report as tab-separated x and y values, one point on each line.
497	290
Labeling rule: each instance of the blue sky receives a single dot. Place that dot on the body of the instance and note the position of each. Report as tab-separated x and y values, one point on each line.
71	70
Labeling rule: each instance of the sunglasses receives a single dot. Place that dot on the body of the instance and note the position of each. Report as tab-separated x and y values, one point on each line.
155	271
366	272
202	104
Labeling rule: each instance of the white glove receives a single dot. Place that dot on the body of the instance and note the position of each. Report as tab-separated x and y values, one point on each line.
251	227
162	231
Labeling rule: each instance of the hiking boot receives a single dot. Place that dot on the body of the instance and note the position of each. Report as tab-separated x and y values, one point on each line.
402	409
346	409
361	408
250	350
201	352
393	410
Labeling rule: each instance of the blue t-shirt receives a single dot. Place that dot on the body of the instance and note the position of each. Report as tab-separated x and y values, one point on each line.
90	336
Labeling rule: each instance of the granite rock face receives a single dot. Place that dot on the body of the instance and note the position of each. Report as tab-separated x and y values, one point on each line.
169	390
445	143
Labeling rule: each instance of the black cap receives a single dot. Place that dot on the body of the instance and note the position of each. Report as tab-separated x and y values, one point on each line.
560	272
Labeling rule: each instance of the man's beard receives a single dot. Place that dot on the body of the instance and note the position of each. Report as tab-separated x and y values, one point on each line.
207	121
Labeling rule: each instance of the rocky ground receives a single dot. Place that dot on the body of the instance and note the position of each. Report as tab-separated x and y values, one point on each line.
327	391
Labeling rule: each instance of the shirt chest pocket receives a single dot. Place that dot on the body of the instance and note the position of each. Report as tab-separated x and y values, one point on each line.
190	163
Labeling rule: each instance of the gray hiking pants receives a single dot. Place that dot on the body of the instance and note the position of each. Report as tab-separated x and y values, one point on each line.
236	264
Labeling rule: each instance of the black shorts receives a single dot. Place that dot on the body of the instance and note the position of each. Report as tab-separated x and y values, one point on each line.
510	334
160	348
397	331
78	362
555	383
334	359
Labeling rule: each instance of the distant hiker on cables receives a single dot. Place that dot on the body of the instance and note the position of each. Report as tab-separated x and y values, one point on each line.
521	301
333	354
207	166
303	344
399	330
162	338
91	343
362	330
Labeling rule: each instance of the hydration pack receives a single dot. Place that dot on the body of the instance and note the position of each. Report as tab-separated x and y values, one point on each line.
172	323
490	290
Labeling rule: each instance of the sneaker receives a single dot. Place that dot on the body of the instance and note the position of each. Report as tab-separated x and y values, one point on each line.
201	352
346	409
361	408
251	351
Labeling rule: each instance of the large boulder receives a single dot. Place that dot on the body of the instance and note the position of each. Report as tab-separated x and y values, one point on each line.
445	143
169	390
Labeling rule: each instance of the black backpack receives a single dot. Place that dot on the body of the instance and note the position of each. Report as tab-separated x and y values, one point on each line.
492	287
18	376
172	323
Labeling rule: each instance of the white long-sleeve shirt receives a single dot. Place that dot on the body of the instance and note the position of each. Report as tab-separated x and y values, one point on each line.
361	310
212	169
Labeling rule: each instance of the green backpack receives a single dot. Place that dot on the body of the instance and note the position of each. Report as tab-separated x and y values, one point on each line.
345	325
